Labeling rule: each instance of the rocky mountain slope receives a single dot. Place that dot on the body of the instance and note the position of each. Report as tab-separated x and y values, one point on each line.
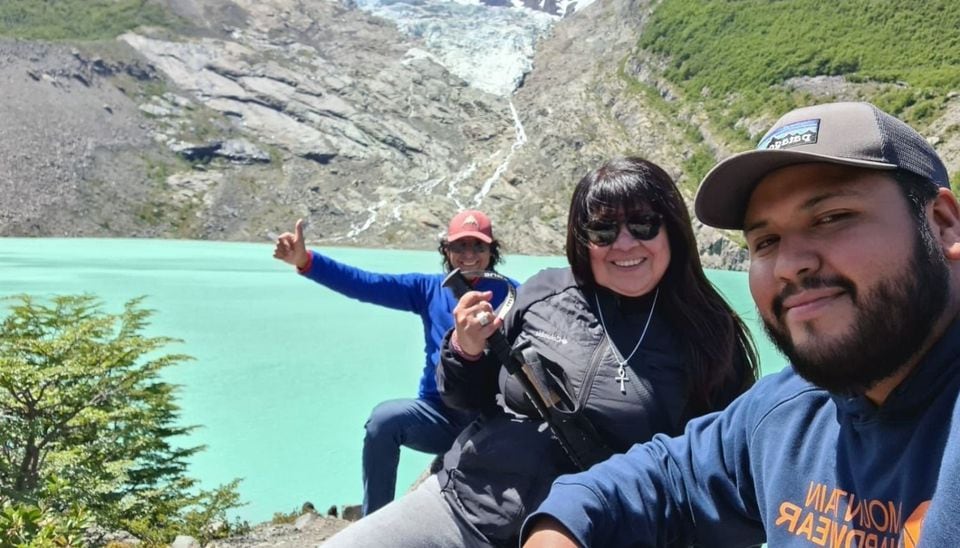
256	119
257	112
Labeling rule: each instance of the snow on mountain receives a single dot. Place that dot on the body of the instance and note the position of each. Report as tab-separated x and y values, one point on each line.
488	43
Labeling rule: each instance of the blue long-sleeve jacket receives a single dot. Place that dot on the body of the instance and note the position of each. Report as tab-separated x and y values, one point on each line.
422	294
787	463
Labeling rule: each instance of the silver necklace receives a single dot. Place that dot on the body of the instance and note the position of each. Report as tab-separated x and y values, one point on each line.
621	361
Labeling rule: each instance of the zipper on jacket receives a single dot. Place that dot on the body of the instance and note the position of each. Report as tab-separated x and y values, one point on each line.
591	375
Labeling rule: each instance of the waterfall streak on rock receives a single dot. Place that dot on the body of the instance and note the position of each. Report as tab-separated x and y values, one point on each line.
521	139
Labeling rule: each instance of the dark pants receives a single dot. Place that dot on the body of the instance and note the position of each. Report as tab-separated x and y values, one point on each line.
421	425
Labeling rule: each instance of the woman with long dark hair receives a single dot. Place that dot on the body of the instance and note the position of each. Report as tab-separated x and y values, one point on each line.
632	339
715	335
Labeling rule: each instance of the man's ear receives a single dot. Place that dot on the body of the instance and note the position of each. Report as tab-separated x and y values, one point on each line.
945	213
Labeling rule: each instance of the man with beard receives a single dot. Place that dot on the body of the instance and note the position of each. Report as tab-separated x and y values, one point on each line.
854	239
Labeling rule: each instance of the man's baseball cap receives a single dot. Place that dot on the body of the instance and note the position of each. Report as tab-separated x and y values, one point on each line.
852	134
470	224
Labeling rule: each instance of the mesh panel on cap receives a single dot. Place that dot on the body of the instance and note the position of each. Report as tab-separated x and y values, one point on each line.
906	148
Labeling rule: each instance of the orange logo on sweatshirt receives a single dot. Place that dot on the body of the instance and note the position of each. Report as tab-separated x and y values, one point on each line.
910	537
833	517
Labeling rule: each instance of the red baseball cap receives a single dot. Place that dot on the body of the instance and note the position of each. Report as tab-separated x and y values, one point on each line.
470	224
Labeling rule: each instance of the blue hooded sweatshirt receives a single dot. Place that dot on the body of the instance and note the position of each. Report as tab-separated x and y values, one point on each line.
941	527
422	294
787	463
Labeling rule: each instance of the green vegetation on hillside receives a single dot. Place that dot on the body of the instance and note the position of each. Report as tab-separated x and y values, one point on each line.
698	160
77	19
734	55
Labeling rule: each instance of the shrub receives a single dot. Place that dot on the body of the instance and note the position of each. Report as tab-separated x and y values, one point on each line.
87	422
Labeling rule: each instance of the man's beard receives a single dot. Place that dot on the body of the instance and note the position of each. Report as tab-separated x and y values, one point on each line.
891	323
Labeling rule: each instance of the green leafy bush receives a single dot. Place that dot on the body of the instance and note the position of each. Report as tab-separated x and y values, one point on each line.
280	518
27	526
88	424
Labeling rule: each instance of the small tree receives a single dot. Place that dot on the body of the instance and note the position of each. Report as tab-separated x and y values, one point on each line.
85	420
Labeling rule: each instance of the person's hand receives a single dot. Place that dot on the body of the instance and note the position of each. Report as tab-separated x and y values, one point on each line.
475	321
291	248
549	533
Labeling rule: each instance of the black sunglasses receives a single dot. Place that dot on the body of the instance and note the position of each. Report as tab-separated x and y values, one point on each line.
604	233
461	247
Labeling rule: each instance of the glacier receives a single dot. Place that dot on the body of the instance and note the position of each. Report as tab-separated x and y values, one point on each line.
489	44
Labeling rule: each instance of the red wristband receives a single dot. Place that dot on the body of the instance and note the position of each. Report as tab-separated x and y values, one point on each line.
306	267
455	344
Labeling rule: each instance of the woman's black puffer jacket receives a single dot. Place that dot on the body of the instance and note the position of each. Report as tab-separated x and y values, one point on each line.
501	466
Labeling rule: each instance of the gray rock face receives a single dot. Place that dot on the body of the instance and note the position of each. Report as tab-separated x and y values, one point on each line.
265	111
65	132
185	541
273	110
291	110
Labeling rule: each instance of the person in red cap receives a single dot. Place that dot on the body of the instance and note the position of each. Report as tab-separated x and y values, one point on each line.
423	423
469	244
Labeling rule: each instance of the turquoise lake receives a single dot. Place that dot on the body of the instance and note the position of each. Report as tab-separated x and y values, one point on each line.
285	371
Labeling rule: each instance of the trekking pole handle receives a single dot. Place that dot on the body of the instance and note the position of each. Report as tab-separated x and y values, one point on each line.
497	342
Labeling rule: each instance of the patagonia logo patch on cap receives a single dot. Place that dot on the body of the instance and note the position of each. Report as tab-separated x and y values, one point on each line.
792	135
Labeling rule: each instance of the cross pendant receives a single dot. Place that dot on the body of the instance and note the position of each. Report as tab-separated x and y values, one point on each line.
622	377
